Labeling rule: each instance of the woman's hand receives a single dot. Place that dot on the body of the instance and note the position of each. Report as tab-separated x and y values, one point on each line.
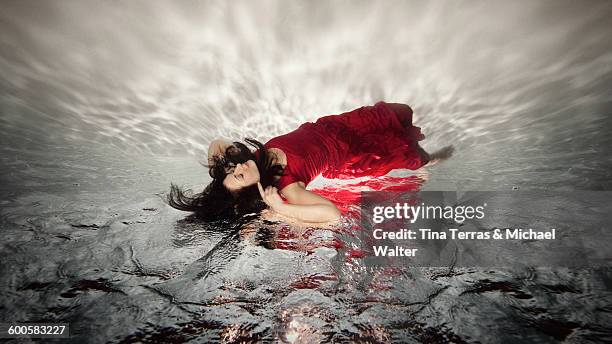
217	149
271	197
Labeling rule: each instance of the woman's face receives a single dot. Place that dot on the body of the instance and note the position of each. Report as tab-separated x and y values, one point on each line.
241	176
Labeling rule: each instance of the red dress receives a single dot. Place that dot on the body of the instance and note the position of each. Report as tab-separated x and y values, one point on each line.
368	141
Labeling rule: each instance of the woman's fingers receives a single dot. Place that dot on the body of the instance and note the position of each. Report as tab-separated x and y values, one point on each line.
270	190
261	192
269	195
272	197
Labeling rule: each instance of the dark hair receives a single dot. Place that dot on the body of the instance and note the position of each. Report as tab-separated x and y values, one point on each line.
216	202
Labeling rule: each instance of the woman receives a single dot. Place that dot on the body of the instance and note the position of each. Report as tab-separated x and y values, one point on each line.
369	141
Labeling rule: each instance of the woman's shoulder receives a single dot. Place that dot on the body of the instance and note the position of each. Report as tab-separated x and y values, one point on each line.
291	169
278	156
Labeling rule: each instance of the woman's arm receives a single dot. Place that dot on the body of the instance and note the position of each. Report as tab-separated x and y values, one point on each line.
303	205
217	148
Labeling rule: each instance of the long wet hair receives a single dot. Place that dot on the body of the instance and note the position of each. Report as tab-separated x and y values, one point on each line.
216	202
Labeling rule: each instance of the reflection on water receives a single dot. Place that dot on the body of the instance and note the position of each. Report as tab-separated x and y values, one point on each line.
102	104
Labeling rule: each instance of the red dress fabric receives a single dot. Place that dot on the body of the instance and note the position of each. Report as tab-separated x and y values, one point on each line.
368	141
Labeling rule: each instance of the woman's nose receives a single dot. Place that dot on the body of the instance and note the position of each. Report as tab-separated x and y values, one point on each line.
239	167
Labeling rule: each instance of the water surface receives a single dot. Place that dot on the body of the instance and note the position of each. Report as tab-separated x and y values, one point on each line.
102	104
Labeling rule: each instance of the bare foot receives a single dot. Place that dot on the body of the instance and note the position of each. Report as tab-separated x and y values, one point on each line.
440	155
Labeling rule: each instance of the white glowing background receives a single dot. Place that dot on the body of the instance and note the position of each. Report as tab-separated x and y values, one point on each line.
496	78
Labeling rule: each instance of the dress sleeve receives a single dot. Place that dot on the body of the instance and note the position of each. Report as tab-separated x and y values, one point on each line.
286	179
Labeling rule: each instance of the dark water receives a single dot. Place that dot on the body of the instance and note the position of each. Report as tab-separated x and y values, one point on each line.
102	104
